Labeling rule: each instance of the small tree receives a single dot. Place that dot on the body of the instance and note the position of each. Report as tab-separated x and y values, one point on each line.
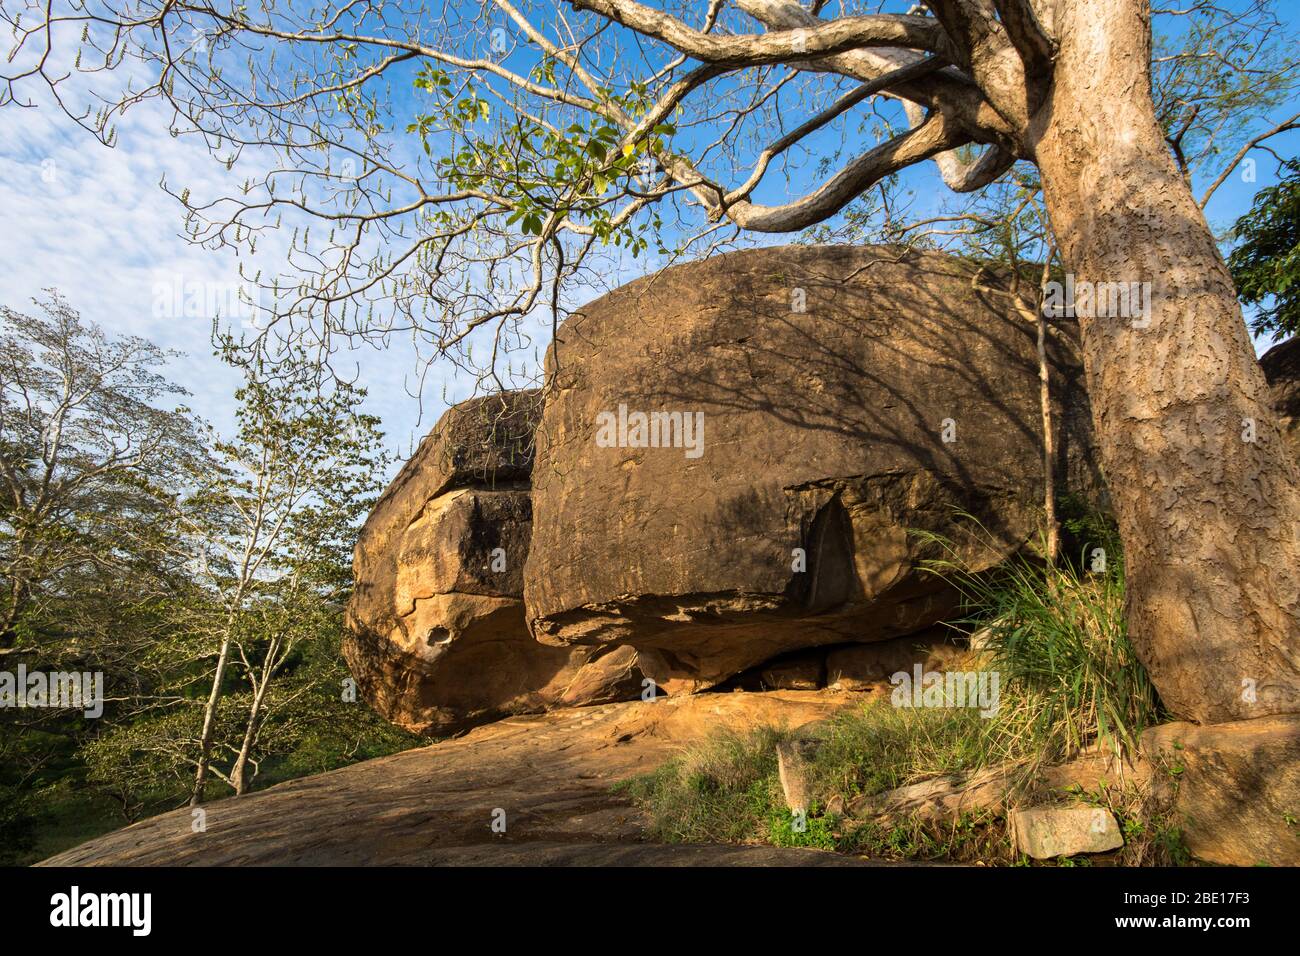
1266	264
271	528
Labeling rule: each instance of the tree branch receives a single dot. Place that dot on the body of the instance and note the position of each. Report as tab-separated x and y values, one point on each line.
931	137
1027	36
1282	127
826	38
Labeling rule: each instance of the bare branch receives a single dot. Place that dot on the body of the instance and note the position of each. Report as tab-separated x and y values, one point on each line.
1282	127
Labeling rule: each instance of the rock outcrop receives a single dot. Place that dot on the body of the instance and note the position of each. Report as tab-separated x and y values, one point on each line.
740	470
736	455
437	639
551	775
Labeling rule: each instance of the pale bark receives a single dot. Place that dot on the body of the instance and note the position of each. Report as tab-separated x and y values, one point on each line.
822	38
210	723
239	773
1052	543
256	714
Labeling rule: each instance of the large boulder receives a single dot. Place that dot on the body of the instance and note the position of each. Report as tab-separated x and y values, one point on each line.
436	637
742	456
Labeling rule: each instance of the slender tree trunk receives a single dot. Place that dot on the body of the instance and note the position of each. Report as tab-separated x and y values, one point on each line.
1206	495
239	773
1052	544
210	721
19	591
9	625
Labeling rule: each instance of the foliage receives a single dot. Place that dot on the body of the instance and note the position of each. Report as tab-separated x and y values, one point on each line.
86	462
142	563
1265	264
1058	635
453	173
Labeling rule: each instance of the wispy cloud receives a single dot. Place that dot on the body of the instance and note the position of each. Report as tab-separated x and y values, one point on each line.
94	223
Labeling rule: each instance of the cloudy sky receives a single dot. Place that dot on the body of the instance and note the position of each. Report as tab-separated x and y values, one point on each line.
95	224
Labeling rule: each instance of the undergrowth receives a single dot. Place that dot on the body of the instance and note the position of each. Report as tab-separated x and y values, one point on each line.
1068	680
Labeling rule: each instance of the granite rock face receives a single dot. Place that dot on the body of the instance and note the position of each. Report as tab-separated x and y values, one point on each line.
437	639
736	455
740	467
859	667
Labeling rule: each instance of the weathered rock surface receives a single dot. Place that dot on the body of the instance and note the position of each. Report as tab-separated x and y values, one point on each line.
550	774
994	789
437	639
823	448
804	671
1281	365
1048	832
865	666
1234	786
792	771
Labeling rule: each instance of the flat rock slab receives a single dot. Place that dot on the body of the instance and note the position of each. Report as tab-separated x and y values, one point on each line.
549	774
1048	832
642	854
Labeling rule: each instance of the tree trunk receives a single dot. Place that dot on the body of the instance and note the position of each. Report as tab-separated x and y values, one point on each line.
1052	543
9	625
1205	492
19	592
239	773
210	722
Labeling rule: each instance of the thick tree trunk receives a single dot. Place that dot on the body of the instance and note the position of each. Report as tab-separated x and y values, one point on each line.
1205	491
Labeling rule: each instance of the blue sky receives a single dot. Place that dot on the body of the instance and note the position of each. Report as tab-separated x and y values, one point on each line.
94	223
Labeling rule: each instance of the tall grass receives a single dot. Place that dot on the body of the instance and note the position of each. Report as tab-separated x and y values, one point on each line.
1057	635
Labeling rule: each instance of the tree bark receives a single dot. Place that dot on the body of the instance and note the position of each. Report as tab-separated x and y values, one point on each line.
1205	492
19	590
210	722
9	625
239	773
1052	543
